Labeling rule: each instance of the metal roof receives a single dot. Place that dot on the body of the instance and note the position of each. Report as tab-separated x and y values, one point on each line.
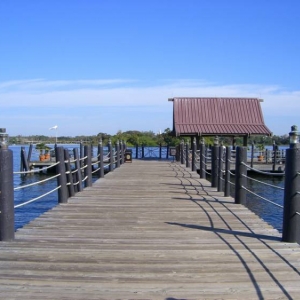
218	116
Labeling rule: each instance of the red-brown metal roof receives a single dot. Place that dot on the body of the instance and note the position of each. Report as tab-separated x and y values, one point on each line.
218	116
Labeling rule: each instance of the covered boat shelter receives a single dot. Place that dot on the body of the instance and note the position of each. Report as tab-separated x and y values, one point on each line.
230	117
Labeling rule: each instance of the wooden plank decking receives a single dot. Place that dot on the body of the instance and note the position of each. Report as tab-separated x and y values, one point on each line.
149	230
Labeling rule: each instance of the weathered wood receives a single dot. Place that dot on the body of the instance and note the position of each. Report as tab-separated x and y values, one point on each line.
149	230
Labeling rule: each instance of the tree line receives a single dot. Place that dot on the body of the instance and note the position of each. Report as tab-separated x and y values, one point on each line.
147	138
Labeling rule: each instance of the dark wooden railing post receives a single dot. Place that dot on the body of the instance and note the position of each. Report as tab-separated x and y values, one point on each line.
202	160
194	155
252	154
227	172
62	179
291	212
81	154
240	171
187	159
69	174
111	156
101	162
168	149
220	169
123	152
182	152
7	215
118	154
78	175
159	150
136	151
214	163
88	166
143	150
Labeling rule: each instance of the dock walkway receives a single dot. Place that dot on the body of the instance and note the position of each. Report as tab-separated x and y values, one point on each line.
149	230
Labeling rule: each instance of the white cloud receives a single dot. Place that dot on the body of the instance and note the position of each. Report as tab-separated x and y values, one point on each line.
67	98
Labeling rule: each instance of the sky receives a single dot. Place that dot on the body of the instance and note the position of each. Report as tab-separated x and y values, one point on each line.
105	66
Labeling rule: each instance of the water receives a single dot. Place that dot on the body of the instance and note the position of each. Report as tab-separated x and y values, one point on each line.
265	210
268	212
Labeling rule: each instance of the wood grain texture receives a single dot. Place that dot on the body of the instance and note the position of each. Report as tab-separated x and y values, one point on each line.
149	230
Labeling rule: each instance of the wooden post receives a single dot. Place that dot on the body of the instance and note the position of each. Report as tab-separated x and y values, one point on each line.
69	175
202	160
29	152
227	172
159	150
168	149
252	154
111	156
194	155
62	179
220	169
78	175
7	215
143	150
214	165
240	180
81	154
118	154
137	151
291	212
187	159
182	152
88	166
24	161
274	156
101	163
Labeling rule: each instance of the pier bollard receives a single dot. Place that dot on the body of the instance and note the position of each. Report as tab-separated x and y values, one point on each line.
88	166
136	151
111	156
227	172
214	165
240	180
81	146
62	179
78	175
159	150
187	154
252	154
7	211
220	169
202	160
118	154
291	211
69	175
101	162
182	152
194	155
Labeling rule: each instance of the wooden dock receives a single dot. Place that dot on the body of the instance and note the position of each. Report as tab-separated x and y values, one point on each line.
149	230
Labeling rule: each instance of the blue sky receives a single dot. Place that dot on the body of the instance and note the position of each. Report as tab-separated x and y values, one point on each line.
101	66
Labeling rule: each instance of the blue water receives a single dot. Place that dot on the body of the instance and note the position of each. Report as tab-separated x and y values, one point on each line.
268	212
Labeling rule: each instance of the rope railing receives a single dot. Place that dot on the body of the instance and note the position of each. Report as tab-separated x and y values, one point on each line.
72	174
237	160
